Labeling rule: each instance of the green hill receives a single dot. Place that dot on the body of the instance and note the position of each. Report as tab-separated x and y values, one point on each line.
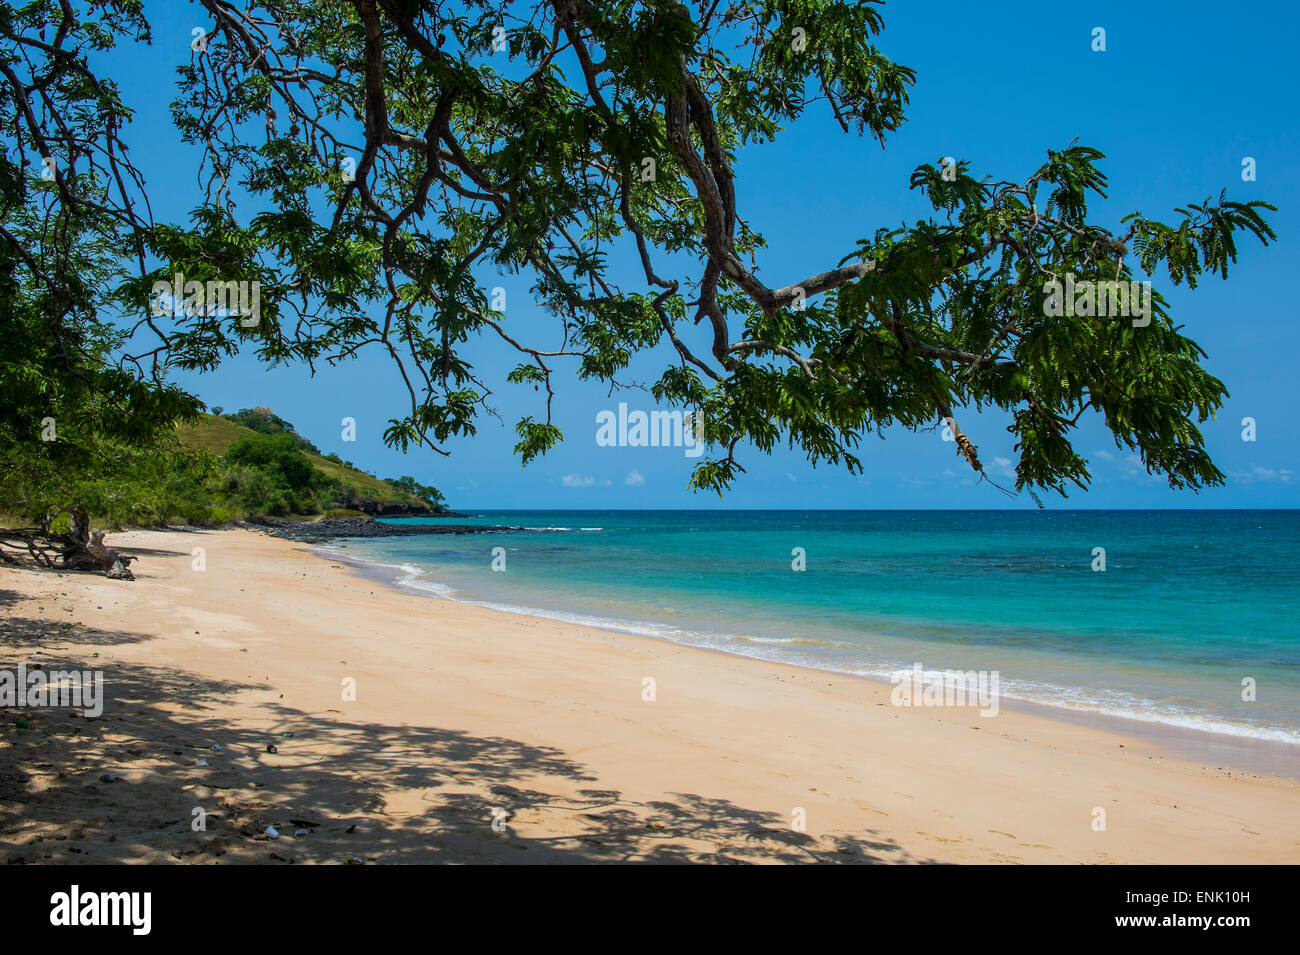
216	434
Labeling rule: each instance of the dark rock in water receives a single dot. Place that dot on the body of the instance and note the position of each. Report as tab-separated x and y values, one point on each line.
365	527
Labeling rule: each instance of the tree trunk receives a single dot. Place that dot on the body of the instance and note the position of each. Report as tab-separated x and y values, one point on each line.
84	549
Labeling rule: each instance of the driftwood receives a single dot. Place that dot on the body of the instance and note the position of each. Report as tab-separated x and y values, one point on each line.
85	549
78	549
94	554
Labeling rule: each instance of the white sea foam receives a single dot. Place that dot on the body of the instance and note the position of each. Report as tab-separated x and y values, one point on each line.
1113	703
412	576
563	528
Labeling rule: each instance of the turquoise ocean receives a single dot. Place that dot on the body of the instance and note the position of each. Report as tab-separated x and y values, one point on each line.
1190	604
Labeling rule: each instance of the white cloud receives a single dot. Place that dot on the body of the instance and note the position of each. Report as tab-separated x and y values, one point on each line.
791	476
634	479
1264	475
578	480
1131	463
1002	467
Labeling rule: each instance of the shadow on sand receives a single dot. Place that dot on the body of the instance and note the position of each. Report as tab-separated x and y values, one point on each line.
125	787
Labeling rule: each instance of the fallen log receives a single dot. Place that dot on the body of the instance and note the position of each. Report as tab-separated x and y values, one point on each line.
84	549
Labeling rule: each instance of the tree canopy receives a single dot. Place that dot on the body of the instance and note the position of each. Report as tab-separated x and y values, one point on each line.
371	164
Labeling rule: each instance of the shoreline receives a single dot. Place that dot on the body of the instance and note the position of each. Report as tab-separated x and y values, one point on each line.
1237	751
223	688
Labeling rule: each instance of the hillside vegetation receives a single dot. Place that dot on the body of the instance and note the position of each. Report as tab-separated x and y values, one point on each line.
252	463
215	434
215	470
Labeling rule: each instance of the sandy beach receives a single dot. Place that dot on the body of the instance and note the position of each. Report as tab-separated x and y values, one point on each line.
387	727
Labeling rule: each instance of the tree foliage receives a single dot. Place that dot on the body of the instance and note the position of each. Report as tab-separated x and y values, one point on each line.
266	421
430	495
374	163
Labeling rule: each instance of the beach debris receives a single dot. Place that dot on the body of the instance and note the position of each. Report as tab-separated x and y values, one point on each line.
108	778
270	748
351	829
299	832
201	762
217	747
24	724
287	735
272	832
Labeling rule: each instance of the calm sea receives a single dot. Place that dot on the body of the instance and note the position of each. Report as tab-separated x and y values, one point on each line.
1190	603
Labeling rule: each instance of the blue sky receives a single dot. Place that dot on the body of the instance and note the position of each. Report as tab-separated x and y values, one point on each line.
1176	102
